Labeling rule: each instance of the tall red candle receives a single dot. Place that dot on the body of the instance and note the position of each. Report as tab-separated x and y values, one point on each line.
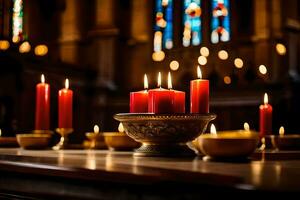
199	89
65	107
265	117
139	100
179	98
160	100
42	106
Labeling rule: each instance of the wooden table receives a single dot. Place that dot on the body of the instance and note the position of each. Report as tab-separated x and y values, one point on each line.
88	174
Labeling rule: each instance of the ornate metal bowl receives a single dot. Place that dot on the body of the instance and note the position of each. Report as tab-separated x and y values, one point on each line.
164	134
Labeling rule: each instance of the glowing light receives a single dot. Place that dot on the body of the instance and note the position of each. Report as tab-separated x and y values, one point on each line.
41	50
158	56
199	73
15	39
246	126
67	84
121	128
146	82
24	47
227	80
204	51
96	129
0	132
169	81
281	130
159	80
223	55
266	99
42	78
263	69
281	49
174	65
202	60
238	62
213	129
4	44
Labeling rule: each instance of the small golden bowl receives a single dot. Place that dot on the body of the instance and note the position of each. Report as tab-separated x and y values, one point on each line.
120	141
286	142
96	140
228	144
8	142
33	141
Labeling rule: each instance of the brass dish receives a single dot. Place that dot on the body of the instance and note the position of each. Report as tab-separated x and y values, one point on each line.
8	142
228	144
286	142
164	134
96	140
33	141
120	141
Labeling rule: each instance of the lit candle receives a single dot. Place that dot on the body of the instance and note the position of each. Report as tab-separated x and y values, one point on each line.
121	128
179	97
246	126
96	129
199	88
160	100
213	129
281	131
265	117
139	100
65	106
42	109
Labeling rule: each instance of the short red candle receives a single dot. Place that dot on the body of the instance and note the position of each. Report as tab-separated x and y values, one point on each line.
139	100
42	106
65	107
160	100
265	118
179	101
199	89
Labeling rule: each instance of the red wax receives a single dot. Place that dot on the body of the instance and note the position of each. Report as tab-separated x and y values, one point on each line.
65	108
42	109
265	119
199	102
139	102
161	101
179	102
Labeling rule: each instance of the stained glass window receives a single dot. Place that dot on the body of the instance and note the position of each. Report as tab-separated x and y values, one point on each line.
220	23
17	20
163	36
192	23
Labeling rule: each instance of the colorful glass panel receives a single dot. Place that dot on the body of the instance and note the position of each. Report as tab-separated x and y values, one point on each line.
220	23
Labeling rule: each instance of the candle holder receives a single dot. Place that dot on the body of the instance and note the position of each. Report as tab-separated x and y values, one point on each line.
164	135
286	142
63	143
97	140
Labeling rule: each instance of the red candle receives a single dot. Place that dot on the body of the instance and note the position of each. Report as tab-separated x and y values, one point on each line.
160	100
65	107
179	98
42	109
139	100
265	117
199	88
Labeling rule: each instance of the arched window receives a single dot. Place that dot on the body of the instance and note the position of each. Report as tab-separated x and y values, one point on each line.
192	34
17	21
220	21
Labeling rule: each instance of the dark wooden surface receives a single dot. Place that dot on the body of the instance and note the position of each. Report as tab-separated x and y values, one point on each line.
89	174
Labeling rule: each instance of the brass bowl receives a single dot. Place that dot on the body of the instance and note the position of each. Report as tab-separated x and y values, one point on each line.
8	142
164	134
120	141
286	142
228	144
96	140
33	141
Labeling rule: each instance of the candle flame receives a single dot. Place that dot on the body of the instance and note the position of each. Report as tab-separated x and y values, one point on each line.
96	129
266	99
169	81
42	78
0	132
146	82
246	126
159	80
213	130
281	130
199	74
121	128
67	84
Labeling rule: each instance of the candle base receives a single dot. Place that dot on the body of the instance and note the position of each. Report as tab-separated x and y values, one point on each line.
63	143
49	132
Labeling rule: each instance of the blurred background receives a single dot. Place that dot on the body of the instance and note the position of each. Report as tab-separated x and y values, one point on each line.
244	47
